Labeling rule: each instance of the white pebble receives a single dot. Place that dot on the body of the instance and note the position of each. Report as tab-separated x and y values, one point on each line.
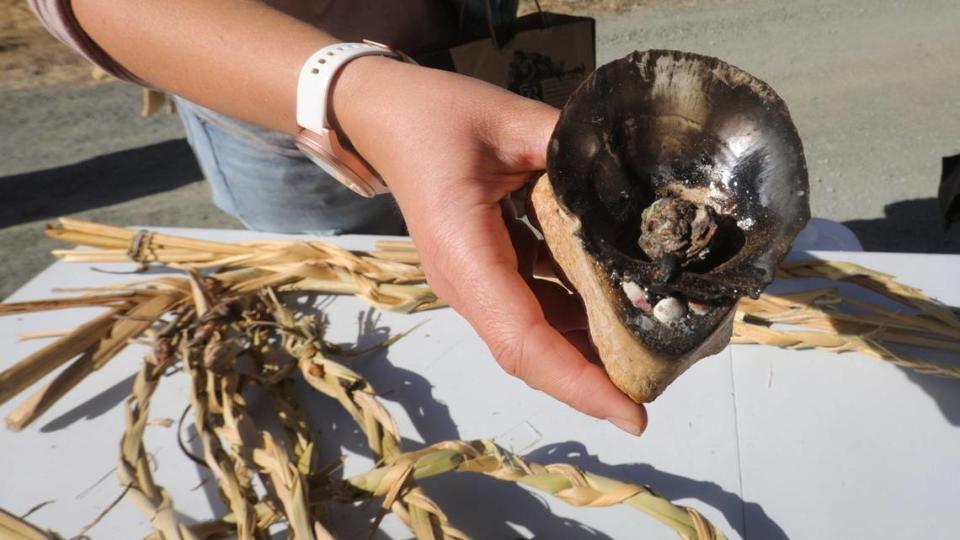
699	309
636	295
646	324
669	310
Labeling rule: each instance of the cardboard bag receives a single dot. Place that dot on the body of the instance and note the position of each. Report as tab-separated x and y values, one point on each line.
542	55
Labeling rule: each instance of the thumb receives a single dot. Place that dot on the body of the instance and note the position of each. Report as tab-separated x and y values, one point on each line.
523	133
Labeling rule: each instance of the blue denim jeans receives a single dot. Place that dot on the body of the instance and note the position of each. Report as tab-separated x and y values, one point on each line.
260	177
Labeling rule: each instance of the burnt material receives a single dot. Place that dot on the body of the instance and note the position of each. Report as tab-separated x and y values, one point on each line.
689	182
672	226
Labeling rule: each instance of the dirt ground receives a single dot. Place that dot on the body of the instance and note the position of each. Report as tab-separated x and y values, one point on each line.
873	86
29	56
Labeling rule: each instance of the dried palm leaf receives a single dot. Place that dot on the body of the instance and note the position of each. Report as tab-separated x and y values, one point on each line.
15	528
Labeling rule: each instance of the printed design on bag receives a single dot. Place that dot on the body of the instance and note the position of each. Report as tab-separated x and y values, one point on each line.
540	77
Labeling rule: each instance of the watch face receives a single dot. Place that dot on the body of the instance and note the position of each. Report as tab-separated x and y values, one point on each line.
331	165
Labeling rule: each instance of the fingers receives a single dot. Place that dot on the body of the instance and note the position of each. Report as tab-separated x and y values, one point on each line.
521	136
528	347
525	244
505	312
581	340
562	310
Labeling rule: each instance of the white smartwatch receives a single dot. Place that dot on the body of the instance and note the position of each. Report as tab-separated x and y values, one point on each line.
316	138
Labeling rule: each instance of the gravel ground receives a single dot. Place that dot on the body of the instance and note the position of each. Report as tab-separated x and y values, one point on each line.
873	87
86	152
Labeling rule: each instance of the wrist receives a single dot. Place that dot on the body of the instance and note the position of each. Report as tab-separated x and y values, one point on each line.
355	89
338	74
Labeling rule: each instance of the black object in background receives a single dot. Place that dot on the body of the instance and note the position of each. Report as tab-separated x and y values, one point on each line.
949	195
542	55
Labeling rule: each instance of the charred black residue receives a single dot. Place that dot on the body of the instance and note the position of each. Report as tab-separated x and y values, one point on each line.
689	179
677	230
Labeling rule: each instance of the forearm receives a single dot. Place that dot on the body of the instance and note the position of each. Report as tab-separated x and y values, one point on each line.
238	57
448	146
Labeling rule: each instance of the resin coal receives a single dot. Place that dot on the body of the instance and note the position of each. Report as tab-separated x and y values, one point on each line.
689	181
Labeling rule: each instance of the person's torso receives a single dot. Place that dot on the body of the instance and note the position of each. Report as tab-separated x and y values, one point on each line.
413	26
409	25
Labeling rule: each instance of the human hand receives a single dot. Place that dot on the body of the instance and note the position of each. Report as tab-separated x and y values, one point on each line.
450	148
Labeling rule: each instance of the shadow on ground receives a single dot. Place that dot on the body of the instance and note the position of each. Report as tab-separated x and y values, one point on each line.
671	486
911	226
944	392
481	506
101	181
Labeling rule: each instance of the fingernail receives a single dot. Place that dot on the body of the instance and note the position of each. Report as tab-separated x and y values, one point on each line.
626	425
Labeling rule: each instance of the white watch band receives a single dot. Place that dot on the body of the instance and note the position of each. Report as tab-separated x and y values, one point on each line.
317	75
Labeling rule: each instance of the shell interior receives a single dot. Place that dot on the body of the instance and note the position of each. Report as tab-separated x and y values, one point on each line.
667	124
